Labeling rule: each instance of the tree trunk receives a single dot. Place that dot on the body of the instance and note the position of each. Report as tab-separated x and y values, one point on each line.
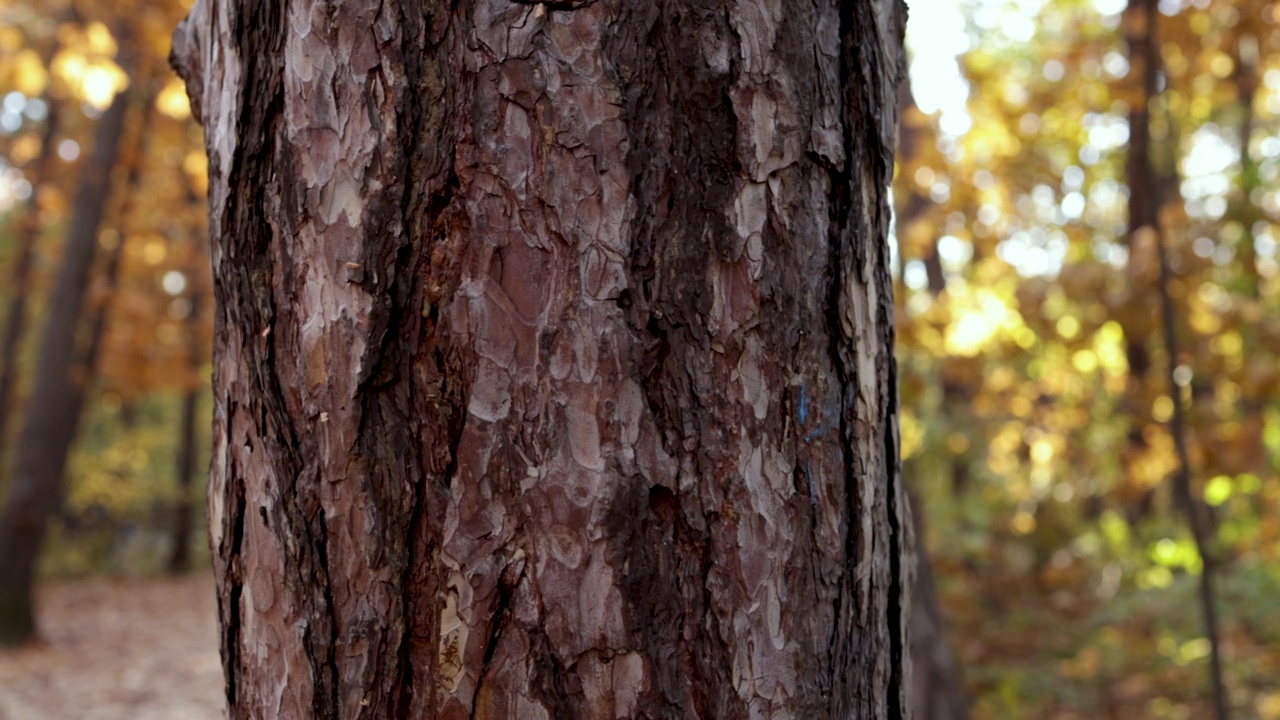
553	368
180	549
1145	201
1136	316
937	688
98	312
912	203
53	411
937	692
39	173
184	508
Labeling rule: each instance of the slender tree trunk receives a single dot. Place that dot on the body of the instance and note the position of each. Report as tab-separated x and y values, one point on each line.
52	415
1242	207
553	368
180	552
184	509
1145	200
1136	316
91	347
937	693
937	688
911	204
28	233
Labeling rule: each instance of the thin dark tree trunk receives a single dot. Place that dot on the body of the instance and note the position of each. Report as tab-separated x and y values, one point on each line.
1194	510
91	348
184	509
39	174
911	204
1243	208
1145	201
52	418
180	549
938	691
553	369
1135	317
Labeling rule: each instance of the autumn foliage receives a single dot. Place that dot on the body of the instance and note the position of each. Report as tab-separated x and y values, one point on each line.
1036	412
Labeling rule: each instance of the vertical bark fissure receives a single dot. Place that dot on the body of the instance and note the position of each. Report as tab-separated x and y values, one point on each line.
427	142
246	294
669	100
229	615
410	116
324	659
497	623
840	257
890	74
869	81
899	590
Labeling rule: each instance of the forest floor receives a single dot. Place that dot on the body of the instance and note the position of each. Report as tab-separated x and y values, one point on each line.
117	649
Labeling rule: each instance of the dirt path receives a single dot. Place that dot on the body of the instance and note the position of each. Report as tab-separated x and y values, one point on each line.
118	650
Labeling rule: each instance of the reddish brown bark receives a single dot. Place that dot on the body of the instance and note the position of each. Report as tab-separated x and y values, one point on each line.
553	358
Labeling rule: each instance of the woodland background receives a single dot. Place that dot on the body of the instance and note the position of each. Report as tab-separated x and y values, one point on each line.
1040	401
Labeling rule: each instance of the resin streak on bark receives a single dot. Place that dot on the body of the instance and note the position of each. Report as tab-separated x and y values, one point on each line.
554	369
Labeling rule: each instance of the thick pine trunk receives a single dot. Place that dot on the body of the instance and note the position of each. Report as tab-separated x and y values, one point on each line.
553	363
53	411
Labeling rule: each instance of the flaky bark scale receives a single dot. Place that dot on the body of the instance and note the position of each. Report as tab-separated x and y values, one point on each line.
553	358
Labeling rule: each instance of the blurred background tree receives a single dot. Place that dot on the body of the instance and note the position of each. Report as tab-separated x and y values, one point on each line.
1041	172
1066	144
103	227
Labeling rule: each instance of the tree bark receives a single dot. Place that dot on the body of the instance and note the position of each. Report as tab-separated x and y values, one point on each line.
53	410
553	369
